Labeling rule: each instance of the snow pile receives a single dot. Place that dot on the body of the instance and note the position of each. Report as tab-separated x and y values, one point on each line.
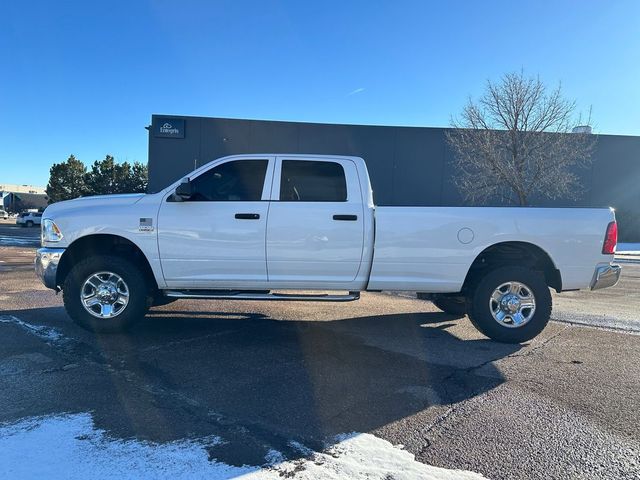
48	334
365	456
11	241
69	447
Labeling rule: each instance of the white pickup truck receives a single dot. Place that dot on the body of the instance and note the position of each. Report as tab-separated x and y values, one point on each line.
244	226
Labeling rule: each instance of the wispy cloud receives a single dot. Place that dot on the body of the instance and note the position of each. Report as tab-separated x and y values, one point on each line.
357	90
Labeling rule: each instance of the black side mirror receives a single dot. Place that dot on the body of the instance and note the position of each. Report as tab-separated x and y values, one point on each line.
185	190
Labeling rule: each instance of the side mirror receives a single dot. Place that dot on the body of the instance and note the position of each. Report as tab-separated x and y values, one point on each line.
185	190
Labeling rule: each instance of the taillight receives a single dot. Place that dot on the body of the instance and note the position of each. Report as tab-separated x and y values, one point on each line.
610	239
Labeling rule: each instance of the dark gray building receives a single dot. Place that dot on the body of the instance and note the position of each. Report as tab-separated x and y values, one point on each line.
408	165
18	201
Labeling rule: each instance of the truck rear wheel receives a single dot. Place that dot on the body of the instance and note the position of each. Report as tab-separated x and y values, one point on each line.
105	293
510	304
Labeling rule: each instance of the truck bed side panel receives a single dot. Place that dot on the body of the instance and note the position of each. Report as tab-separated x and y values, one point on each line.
430	249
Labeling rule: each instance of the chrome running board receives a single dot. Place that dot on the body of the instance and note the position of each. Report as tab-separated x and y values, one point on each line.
260	295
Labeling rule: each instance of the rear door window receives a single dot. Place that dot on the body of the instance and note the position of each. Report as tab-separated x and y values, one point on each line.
311	181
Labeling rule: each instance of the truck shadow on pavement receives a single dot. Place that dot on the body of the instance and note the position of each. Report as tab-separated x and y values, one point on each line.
262	384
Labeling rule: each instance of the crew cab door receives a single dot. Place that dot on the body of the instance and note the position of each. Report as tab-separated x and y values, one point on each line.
216	239
315	232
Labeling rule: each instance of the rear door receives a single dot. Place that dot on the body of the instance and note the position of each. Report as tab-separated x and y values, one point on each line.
315	231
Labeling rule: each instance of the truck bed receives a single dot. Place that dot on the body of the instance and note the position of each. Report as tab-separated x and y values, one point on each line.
432	248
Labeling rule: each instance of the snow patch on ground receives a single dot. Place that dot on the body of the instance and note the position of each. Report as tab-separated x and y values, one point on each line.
11	241
69	446
48	334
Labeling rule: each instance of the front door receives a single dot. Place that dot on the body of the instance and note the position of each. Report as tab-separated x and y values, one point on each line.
315	232
216	239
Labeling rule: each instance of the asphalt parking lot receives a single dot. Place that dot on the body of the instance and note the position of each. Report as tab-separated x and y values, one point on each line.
292	377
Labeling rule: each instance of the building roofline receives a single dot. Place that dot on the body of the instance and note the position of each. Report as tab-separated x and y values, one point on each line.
332	124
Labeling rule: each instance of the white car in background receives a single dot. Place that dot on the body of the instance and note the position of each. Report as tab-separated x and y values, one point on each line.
29	219
4	214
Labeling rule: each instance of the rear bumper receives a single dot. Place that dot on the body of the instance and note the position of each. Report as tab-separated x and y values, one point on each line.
46	265
605	276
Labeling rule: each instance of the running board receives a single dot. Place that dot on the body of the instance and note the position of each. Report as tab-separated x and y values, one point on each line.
260	295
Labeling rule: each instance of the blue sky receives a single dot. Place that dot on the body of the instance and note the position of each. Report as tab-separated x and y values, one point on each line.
85	77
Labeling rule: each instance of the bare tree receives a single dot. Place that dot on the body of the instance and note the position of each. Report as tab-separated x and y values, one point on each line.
515	141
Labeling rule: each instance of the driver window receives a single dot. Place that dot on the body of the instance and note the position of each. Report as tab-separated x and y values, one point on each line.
235	181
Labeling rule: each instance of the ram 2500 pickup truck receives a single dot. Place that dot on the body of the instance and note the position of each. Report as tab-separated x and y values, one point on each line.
266	227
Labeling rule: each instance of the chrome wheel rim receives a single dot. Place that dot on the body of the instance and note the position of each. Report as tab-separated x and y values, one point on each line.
512	304
104	294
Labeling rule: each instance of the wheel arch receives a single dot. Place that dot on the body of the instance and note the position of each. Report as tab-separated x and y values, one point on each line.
103	244
514	253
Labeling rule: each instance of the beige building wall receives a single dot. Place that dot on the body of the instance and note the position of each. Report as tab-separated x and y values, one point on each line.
9	187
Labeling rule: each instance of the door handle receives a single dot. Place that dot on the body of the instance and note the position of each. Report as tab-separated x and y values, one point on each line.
346	218
248	216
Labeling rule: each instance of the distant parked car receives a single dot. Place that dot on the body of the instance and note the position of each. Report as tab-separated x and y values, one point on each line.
29	219
4	214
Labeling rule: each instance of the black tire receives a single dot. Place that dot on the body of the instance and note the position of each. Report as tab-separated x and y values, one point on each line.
454	305
479	310
139	293
29	223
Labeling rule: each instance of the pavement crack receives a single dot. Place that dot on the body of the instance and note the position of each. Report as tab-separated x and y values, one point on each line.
478	394
175	343
530	351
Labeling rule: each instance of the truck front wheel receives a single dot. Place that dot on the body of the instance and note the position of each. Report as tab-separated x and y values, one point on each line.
105	293
510	304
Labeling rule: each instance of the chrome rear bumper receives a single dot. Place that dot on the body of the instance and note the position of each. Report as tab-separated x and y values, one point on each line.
606	276
46	265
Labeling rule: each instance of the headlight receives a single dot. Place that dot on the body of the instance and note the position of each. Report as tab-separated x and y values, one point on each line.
50	231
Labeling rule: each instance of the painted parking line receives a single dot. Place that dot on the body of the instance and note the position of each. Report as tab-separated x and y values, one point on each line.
620	325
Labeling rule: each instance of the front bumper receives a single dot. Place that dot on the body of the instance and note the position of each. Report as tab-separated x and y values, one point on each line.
46	265
606	276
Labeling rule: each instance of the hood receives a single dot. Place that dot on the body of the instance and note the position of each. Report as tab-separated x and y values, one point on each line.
94	201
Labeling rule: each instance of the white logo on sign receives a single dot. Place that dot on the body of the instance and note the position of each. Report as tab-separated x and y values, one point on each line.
168	128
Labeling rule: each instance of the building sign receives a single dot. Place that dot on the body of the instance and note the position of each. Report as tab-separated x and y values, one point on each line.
169	128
